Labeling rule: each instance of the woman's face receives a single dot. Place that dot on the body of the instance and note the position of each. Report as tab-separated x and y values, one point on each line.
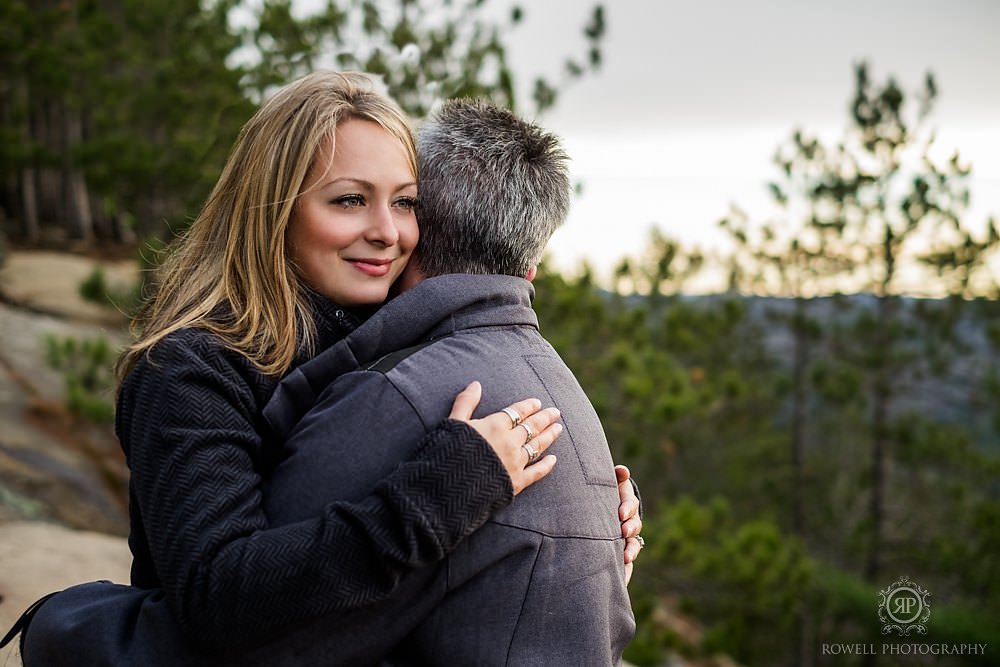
355	223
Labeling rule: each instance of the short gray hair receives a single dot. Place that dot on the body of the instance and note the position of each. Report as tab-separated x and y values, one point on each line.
493	189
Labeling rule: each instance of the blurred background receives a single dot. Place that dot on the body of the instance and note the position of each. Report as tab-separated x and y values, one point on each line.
778	283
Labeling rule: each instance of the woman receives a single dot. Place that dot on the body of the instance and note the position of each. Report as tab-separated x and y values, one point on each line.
238	303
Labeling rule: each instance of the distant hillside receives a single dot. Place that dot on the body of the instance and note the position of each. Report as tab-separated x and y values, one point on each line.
947	378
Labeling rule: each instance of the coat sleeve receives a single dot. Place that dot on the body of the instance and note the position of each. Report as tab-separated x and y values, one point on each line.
187	423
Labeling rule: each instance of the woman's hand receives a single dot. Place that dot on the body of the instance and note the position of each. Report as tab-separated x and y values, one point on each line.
518	434
628	512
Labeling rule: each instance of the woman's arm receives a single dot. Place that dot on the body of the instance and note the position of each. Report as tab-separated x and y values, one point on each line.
188	425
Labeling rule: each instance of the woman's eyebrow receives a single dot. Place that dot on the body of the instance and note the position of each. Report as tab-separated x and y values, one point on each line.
349	179
366	184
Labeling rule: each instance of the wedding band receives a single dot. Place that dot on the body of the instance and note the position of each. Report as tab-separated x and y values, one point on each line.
642	542
527	429
515	418
532	454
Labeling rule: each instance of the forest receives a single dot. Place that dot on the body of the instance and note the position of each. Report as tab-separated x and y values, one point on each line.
822	429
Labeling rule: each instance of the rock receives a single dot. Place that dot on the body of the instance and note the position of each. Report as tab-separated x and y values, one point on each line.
57	472
53	466
49	282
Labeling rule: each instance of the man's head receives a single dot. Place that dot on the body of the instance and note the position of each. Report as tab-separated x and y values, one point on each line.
493	188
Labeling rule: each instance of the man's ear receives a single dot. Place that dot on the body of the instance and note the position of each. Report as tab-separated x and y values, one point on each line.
410	276
532	272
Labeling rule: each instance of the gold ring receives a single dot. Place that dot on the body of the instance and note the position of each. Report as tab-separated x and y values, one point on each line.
527	429
532	454
515	418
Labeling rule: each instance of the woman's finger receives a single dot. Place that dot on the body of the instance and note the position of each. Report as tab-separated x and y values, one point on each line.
628	502
622	473
628	511
540	430
516	413
541	441
525	477
466	401
631	527
632	548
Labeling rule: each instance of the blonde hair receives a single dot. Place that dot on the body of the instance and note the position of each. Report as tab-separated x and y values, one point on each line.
229	272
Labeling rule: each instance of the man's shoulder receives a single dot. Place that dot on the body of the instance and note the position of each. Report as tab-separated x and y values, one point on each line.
387	362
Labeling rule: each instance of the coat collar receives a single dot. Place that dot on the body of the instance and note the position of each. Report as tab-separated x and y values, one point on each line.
434	308
441	305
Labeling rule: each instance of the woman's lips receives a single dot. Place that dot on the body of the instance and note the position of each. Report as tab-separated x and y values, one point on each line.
372	267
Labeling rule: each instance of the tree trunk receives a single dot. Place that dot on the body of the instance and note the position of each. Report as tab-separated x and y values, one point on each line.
76	201
876	507
881	398
28	193
800	362
23	187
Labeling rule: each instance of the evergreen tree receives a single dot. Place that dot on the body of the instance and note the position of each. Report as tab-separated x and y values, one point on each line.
122	114
424	51
117	116
875	214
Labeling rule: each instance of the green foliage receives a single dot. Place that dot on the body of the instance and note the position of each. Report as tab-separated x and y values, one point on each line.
697	396
95	289
87	368
837	384
133	107
651	640
423	51
139	97
958	624
847	606
636	385
750	579
873	212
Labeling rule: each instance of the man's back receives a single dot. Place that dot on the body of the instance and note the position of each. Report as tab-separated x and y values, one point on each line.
544	578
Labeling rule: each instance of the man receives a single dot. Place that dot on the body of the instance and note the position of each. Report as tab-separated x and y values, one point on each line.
543	581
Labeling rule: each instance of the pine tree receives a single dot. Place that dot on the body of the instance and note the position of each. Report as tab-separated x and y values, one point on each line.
117	116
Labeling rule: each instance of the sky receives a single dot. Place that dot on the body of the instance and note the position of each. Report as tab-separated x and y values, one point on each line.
693	98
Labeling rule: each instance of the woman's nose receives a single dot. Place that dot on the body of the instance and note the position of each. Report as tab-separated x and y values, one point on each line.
382	229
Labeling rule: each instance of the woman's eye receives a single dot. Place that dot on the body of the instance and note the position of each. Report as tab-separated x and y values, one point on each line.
350	201
409	203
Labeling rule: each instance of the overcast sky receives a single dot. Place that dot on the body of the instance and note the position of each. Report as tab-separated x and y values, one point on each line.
694	97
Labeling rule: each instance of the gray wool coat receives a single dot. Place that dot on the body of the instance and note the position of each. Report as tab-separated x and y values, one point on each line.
542	583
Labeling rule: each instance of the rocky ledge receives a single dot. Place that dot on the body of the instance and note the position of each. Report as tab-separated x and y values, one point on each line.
63	514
